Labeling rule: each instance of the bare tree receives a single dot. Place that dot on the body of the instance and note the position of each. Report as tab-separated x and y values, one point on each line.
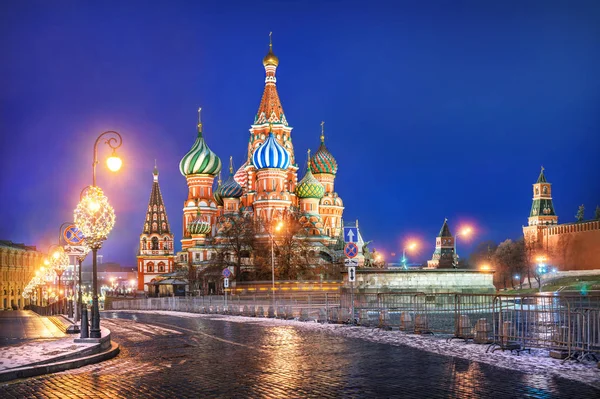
236	239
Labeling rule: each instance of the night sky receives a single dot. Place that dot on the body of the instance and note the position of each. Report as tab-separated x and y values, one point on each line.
432	109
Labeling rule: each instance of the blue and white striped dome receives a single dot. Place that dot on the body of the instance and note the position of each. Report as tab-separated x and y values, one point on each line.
271	154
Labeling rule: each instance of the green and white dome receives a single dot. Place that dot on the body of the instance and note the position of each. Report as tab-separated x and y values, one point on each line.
200	160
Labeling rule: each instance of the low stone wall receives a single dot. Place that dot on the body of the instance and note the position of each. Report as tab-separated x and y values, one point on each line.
427	281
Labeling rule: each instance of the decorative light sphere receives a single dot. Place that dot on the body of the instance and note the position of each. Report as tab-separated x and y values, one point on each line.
94	217
59	260
114	163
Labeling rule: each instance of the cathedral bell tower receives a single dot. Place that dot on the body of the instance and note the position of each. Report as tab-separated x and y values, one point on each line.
156	252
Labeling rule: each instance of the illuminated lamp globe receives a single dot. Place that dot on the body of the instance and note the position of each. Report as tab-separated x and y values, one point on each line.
59	260
94	217
113	162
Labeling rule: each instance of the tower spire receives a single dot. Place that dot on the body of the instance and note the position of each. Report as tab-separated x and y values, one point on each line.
200	121
155	171
231	165
322	131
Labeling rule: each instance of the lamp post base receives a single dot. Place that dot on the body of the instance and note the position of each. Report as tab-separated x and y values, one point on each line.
95	329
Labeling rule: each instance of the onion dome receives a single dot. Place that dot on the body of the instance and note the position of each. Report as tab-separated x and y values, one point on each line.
323	161
309	186
200	160
231	188
199	225
270	154
270	58
241	176
216	194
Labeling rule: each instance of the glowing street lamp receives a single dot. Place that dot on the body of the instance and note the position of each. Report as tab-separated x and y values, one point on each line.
96	218
58	261
411	247
464	232
541	268
485	268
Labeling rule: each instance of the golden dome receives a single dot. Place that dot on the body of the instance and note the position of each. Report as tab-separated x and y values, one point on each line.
270	58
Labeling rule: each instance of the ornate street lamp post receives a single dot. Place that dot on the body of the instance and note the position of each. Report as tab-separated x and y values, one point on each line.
59	261
95	218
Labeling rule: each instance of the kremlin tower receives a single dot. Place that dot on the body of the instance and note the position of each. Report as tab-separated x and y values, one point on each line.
156	252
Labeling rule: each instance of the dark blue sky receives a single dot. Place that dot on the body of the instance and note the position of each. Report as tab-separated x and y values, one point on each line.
432	109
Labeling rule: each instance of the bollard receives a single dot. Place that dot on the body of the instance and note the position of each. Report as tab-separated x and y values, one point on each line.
421	326
482	331
506	328
405	321
463	327
85	332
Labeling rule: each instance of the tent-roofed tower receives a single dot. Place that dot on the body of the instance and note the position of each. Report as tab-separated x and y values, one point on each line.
443	256
269	119
542	209
156	250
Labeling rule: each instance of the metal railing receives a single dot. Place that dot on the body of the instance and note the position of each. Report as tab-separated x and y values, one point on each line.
569	325
63	306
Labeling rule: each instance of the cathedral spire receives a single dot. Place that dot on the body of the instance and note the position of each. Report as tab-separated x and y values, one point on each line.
322	132
270	110
155	172
200	122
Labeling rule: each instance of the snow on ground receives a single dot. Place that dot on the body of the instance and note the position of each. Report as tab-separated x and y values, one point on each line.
538	362
41	350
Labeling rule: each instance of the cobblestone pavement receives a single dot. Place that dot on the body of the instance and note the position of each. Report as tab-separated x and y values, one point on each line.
171	357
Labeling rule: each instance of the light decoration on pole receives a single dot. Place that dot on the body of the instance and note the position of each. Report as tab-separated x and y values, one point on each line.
95	217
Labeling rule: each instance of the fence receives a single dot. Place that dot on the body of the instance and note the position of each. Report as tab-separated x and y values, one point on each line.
568	325
63	306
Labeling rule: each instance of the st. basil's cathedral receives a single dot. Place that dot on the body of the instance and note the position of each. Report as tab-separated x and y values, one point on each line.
265	187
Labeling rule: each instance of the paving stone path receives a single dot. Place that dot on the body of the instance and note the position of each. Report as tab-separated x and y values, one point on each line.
170	357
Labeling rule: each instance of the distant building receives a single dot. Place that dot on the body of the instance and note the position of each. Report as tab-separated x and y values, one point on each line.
568	246
156	252
443	256
18	263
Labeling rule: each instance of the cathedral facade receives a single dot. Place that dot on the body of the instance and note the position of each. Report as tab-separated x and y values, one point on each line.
567	246
266	187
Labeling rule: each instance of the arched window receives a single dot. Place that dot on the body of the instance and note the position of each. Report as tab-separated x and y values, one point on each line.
154	243
154	208
144	243
150	267
161	267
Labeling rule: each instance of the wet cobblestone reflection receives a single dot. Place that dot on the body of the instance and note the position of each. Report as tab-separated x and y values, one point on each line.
171	357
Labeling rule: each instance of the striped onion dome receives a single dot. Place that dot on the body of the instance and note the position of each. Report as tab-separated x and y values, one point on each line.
323	161
199	225
216	194
231	188
241	176
271	155
200	160
309	187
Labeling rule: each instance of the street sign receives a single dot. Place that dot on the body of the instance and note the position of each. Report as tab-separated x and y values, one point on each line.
226	272
352	274
73	236
226	282
351	262
351	234
76	250
350	250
